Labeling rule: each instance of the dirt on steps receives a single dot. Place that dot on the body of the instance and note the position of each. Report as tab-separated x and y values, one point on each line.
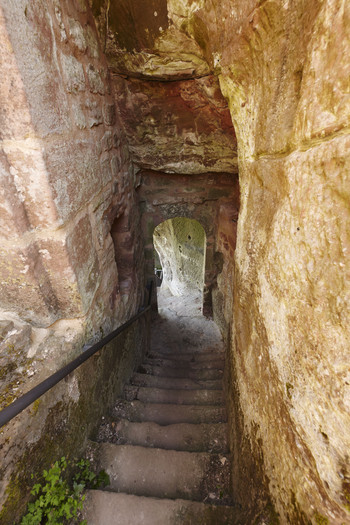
165	445
180	436
174	382
106	508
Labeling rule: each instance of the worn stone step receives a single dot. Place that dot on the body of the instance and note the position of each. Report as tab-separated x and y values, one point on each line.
110	508
167	414
187	373
198	357
155	472
193	365
181	436
175	382
179	397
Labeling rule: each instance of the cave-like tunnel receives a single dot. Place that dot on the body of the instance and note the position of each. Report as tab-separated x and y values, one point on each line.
119	120
180	246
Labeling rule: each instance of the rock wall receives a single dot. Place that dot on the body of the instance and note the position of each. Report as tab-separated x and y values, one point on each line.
284	69
285	72
175	117
68	199
67	180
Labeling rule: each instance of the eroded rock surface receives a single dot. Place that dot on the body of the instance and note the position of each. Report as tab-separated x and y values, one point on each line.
74	96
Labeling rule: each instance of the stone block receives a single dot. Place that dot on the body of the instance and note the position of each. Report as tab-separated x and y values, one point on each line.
83	256
73	73
74	174
95	81
25	286
107	141
78	114
178	127
292	256
33	101
109	113
57	264
76	33
92	42
324	106
106	172
94	113
28	170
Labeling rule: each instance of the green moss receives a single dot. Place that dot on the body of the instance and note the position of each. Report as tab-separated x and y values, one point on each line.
69	422
289	388
14	366
35	407
347	499
13	496
269	515
320	519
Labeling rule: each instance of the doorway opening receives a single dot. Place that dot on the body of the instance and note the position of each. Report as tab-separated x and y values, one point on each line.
180	246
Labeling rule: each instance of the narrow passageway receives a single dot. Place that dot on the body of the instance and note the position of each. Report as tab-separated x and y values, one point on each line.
165	446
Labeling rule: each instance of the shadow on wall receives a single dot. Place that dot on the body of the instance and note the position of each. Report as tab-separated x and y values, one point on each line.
180	245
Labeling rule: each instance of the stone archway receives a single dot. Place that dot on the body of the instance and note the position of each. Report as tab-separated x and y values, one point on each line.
167	196
180	244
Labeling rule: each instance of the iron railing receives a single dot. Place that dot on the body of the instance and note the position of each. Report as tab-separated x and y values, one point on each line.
32	395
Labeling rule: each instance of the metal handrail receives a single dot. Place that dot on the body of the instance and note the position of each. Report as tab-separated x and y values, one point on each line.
32	395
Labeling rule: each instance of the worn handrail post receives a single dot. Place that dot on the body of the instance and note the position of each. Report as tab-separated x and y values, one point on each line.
32	395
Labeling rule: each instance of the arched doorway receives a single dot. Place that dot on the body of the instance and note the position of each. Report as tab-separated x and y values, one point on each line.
180	245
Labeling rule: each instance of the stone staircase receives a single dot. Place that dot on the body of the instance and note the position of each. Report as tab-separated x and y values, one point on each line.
165	446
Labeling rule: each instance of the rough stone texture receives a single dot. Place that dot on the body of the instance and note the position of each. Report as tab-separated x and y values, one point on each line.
60	190
150	43
284	69
60	421
178	127
164	196
180	244
53	167
286	75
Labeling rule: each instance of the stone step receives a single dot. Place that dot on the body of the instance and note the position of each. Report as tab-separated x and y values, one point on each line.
167	414
198	357
175	382
155	472
181	436
179	397
187	373
110	508
192	365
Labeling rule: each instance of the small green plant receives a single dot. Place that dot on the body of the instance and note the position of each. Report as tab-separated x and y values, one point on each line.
58	500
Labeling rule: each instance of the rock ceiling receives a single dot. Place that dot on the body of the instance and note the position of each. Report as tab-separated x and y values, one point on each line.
174	114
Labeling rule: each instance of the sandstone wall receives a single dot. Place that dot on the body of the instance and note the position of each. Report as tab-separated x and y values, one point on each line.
68	182
285	72
67	211
284	69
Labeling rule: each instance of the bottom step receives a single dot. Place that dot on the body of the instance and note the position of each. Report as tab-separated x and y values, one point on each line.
111	508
